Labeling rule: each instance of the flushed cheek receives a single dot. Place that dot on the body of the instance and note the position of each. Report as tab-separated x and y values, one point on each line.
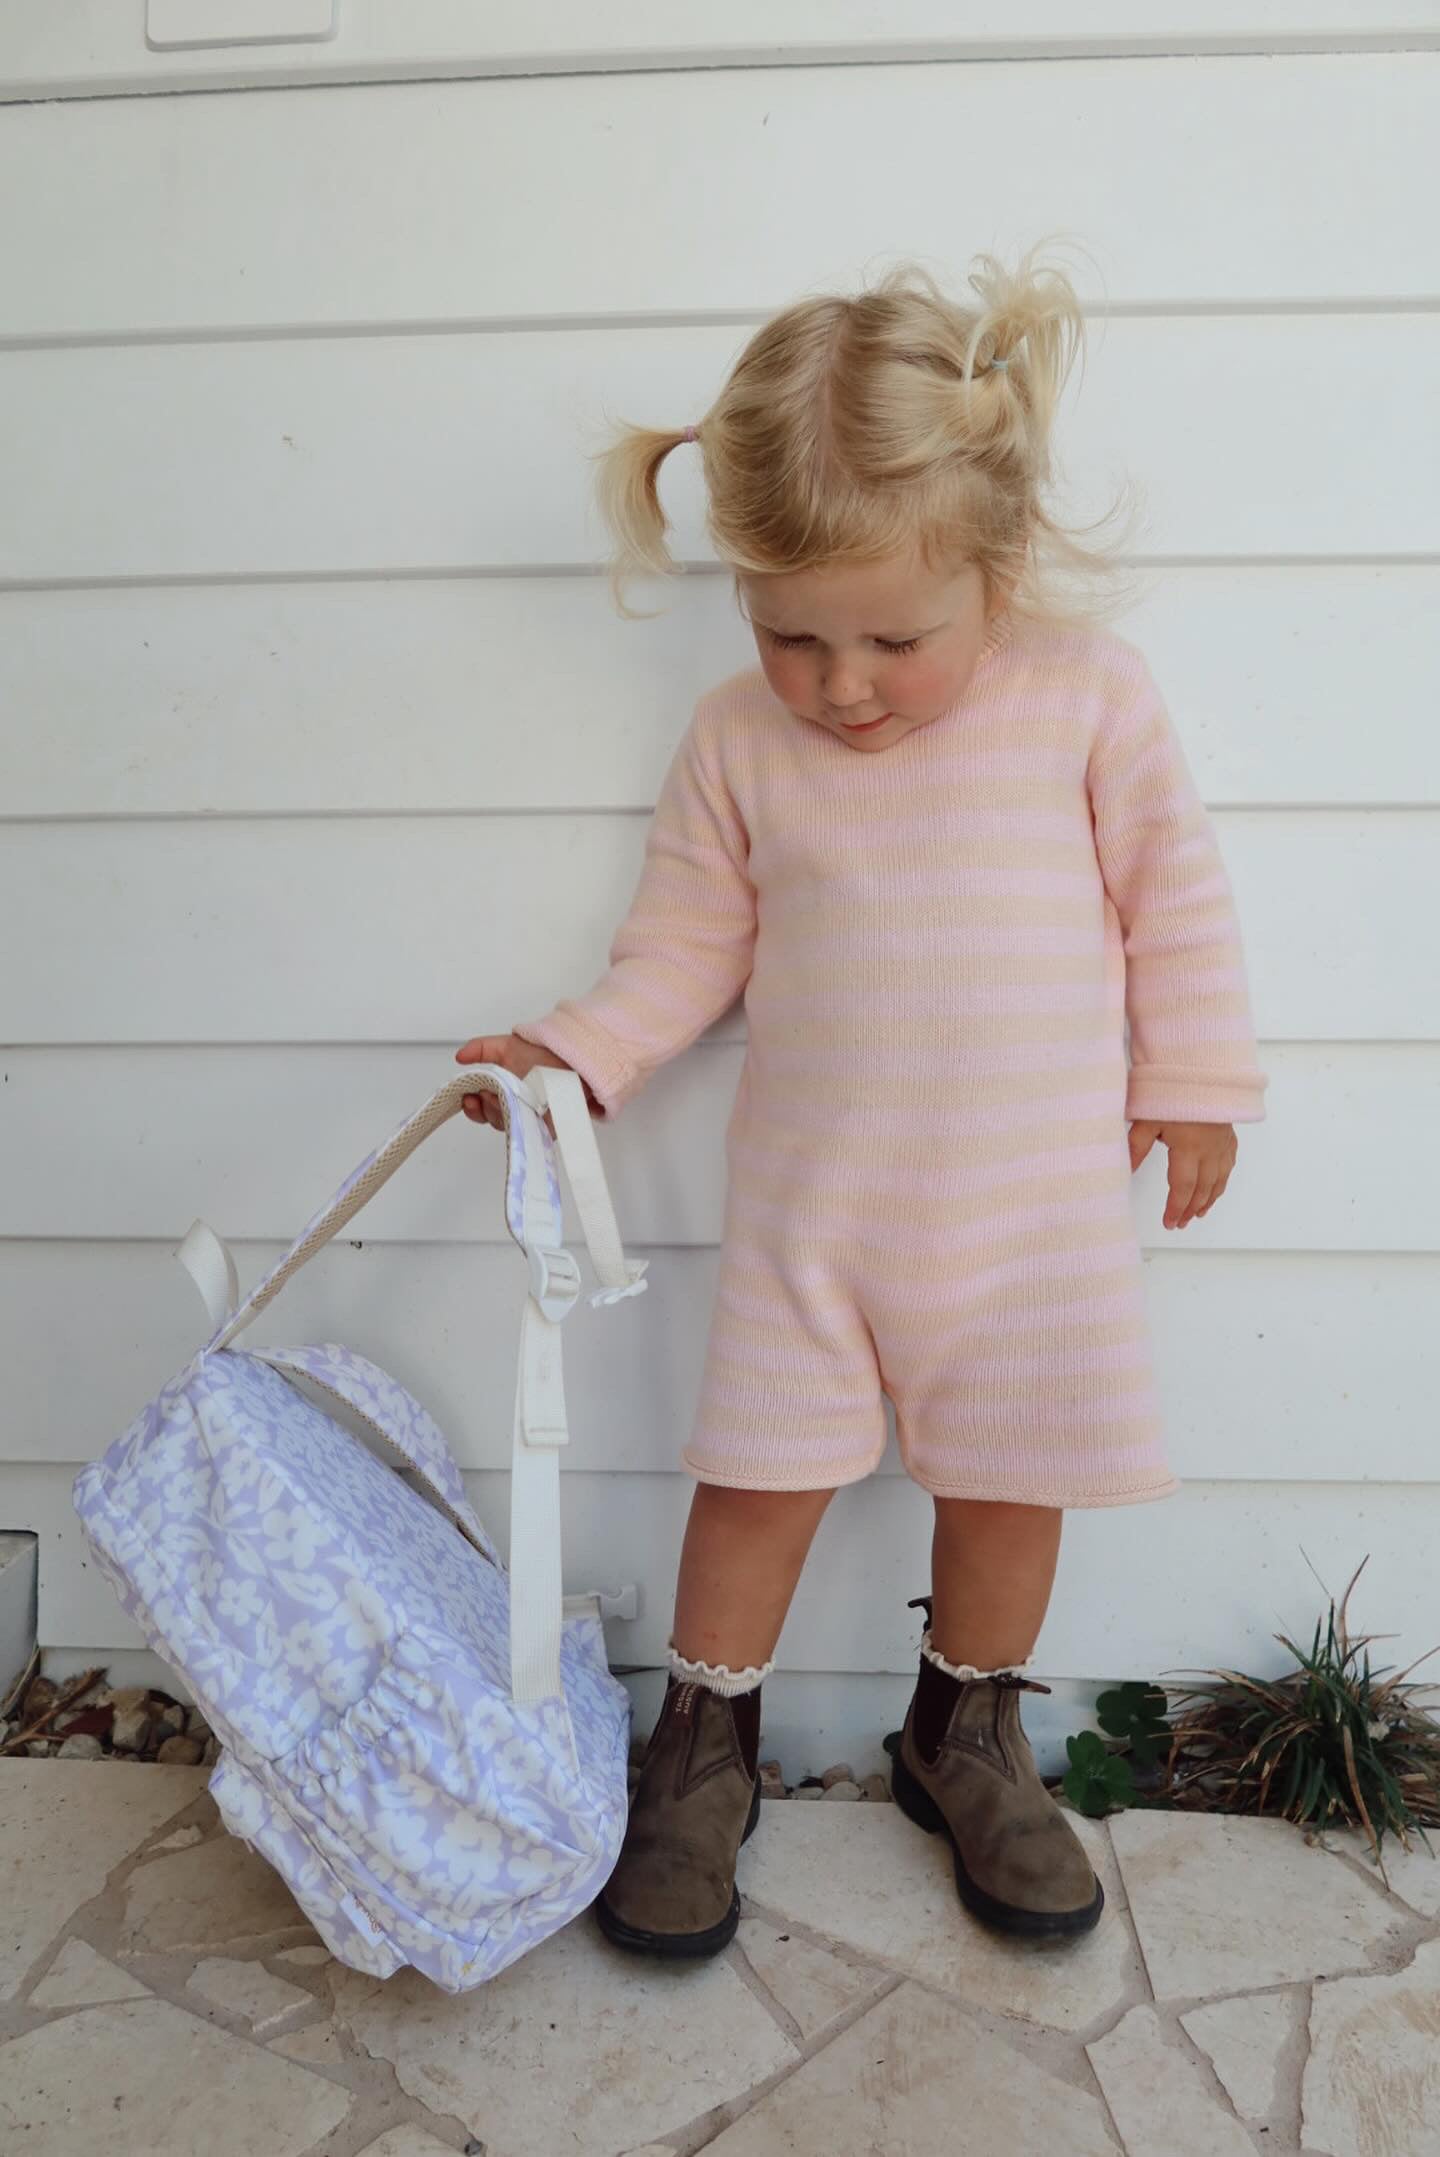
791	680
926	689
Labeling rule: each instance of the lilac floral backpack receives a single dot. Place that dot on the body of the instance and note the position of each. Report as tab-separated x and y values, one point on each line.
428	1746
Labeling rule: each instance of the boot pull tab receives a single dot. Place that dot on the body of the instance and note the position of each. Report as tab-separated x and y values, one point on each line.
1013	1682
925	1603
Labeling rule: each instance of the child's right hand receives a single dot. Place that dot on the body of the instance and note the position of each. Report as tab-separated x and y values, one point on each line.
512	1054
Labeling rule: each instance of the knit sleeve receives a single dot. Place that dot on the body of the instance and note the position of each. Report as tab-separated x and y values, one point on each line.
684	951
1192	1041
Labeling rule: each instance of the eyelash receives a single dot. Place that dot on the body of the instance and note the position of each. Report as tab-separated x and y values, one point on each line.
791	644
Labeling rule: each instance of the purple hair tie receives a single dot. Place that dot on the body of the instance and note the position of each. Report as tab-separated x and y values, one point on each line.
691	434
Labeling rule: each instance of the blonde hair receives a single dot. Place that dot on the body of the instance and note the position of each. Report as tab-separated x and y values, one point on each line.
855	427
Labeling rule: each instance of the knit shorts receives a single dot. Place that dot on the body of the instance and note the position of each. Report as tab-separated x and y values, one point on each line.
1016	1352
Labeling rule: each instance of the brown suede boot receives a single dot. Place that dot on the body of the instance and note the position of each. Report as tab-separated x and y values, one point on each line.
963	1768
673	1890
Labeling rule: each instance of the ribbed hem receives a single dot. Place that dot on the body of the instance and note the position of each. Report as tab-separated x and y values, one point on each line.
718	1677
1157	1092
967	1670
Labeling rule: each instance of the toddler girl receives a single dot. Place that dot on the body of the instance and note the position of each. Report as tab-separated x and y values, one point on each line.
945	840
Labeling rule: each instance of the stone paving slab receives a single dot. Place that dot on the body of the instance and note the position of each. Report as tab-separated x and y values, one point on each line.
66	1825
902	2079
1372	2082
164	1994
900	1910
1245	2041
1223	1904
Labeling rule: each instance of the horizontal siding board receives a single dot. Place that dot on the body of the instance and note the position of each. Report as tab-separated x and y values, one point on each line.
1272	1366
189	931
135	1142
91	48
430	452
608	206
430	696
1209	1575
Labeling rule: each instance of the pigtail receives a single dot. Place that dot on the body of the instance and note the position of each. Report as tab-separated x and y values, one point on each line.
628	494
1007	364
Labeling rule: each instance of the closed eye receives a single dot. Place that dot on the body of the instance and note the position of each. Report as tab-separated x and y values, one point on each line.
790	644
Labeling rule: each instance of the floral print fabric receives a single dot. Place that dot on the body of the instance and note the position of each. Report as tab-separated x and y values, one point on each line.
347	1637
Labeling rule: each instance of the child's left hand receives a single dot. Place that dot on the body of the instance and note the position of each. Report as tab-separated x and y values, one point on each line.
1201	1158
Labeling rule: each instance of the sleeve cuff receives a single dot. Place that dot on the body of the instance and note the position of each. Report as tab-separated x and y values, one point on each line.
608	1076
1157	1093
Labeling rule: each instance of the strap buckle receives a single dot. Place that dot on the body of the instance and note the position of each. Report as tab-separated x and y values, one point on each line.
554	1280
636	1285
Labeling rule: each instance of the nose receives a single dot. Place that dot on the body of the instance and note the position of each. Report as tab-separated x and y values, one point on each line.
835	685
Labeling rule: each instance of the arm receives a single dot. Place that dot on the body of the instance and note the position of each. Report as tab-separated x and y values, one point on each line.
1192	1042
684	950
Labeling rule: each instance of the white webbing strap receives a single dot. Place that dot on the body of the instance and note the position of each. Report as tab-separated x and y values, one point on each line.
536	1588
541	1425
540	1422
211	1266
563	1095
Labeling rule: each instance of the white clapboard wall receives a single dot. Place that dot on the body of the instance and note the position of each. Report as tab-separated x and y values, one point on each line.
324	748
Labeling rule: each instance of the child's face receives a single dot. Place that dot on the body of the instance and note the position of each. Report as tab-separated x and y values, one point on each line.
856	660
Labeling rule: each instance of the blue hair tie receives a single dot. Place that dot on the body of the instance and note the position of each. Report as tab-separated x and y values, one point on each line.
1000	364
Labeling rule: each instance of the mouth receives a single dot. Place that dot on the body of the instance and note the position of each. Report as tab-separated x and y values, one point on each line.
866	726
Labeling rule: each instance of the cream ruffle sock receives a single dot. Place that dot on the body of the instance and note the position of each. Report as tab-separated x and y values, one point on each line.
967	1670
718	1677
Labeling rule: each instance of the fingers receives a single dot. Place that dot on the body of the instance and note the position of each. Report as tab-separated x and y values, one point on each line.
1216	1191
1195	1185
1201	1158
484	1049
1184	1180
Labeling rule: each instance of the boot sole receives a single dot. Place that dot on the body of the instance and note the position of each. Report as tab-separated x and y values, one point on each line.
918	1805
680	1946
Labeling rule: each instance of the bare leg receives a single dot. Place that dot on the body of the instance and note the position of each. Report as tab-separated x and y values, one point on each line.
742	1556
992	1569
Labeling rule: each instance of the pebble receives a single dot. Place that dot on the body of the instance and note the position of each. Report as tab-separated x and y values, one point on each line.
180	1753
42	1695
844	1773
170	1723
130	1731
196	1727
876	1789
81	1748
850	1790
125	1699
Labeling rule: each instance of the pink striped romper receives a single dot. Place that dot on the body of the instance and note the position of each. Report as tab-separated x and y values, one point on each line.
929	1174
